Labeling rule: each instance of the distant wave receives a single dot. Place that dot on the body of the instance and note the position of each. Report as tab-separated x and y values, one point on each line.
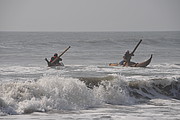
148	89
156	88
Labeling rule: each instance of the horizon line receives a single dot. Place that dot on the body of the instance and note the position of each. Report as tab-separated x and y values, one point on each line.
90	31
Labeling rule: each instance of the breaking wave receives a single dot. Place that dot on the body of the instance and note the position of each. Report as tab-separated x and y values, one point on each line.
51	93
45	94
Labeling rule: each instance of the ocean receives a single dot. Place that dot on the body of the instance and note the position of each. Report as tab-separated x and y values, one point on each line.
86	87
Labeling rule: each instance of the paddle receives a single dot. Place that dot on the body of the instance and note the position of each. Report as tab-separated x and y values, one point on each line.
136	47
60	55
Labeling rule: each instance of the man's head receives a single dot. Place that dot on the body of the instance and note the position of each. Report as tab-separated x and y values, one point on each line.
55	54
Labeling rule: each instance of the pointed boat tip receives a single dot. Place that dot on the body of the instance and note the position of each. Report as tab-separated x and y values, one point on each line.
151	56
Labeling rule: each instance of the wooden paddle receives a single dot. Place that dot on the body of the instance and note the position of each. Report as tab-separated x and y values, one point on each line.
60	55
136	47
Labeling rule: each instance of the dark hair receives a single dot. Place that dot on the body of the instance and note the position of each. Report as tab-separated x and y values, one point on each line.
55	54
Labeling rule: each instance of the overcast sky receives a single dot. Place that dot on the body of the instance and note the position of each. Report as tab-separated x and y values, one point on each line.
89	15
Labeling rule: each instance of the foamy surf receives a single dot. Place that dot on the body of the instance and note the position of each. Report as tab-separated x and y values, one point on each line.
51	93
58	93
46	94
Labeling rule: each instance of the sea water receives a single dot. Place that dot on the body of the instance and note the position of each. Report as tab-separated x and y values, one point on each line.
87	87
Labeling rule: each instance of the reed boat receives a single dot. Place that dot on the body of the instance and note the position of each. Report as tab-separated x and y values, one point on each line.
133	64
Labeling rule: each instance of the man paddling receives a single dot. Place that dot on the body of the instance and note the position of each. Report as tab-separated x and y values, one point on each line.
56	63
126	58
55	59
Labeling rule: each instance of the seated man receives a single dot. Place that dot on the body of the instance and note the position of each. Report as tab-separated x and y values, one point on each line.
126	58
57	60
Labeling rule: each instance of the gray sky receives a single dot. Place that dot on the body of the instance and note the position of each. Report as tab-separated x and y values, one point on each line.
89	15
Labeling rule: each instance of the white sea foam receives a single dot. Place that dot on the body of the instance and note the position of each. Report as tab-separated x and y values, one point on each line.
48	93
5	70
59	93
114	92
